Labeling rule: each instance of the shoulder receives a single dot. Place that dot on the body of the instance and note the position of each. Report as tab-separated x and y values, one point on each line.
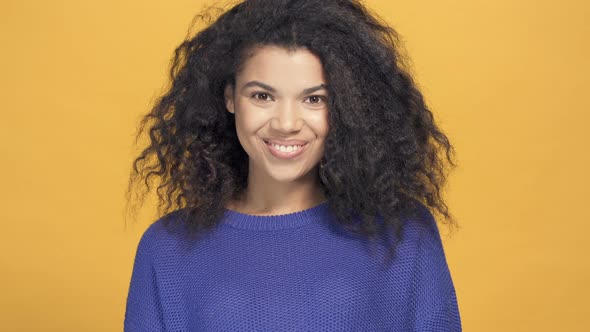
164	231
421	225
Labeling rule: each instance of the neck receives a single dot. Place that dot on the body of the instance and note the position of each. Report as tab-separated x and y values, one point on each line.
268	197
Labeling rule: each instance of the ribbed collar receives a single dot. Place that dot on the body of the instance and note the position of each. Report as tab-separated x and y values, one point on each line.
276	222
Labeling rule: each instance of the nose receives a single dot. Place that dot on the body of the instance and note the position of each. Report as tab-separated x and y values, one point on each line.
287	118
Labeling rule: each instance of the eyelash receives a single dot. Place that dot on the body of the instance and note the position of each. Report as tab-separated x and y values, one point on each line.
323	98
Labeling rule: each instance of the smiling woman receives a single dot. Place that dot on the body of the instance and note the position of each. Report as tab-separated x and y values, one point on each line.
283	132
301	166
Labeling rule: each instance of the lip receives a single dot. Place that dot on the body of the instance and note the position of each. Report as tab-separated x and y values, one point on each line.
286	155
286	142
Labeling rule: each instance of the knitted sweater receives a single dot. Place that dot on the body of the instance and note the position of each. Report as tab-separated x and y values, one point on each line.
291	272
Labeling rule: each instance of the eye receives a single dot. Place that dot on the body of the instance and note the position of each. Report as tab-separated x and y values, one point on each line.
316	99
261	96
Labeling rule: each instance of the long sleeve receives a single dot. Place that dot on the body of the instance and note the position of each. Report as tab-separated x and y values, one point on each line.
143	311
437	308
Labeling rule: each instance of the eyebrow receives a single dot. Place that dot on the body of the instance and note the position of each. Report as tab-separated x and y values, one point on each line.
271	89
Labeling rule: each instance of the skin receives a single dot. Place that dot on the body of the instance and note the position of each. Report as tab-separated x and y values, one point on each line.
279	186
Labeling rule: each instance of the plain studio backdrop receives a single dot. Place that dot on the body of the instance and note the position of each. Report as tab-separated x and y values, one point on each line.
507	80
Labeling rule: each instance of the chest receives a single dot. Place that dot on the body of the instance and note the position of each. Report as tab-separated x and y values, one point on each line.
283	292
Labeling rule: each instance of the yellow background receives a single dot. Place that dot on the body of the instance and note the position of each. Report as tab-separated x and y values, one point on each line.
507	80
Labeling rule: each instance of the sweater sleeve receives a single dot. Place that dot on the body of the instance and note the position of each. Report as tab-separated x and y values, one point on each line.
143	311
436	307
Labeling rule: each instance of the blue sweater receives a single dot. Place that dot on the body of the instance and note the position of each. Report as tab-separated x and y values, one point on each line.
291	272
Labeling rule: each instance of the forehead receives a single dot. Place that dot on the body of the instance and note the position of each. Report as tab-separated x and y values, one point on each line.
279	66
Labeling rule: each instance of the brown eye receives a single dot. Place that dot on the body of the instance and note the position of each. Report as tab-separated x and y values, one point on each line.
261	96
315	99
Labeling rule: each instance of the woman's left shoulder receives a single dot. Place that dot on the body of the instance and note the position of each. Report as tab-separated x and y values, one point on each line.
421	225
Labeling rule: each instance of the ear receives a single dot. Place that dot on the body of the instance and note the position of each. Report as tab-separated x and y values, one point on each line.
229	98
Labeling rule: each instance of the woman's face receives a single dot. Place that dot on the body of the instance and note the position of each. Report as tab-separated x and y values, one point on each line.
280	96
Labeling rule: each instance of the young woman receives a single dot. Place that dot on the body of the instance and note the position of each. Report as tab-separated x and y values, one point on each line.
302	165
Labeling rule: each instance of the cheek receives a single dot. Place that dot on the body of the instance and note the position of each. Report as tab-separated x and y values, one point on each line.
320	125
248	124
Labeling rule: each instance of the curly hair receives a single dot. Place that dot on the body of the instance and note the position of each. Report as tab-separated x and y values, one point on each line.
384	157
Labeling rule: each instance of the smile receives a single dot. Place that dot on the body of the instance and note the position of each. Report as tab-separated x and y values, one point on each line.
288	152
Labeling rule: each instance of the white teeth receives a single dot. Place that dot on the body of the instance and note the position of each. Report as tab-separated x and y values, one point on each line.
284	148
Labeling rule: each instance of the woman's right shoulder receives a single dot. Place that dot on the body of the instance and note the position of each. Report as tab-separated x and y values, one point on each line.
166	229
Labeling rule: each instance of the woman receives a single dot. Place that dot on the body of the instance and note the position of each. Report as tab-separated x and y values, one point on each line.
303	165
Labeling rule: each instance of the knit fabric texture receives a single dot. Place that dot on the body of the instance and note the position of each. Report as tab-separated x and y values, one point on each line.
290	272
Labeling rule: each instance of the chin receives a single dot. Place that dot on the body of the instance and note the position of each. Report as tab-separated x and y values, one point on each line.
289	174
286	178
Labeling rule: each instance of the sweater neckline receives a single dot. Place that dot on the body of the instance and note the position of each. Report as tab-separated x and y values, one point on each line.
278	221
